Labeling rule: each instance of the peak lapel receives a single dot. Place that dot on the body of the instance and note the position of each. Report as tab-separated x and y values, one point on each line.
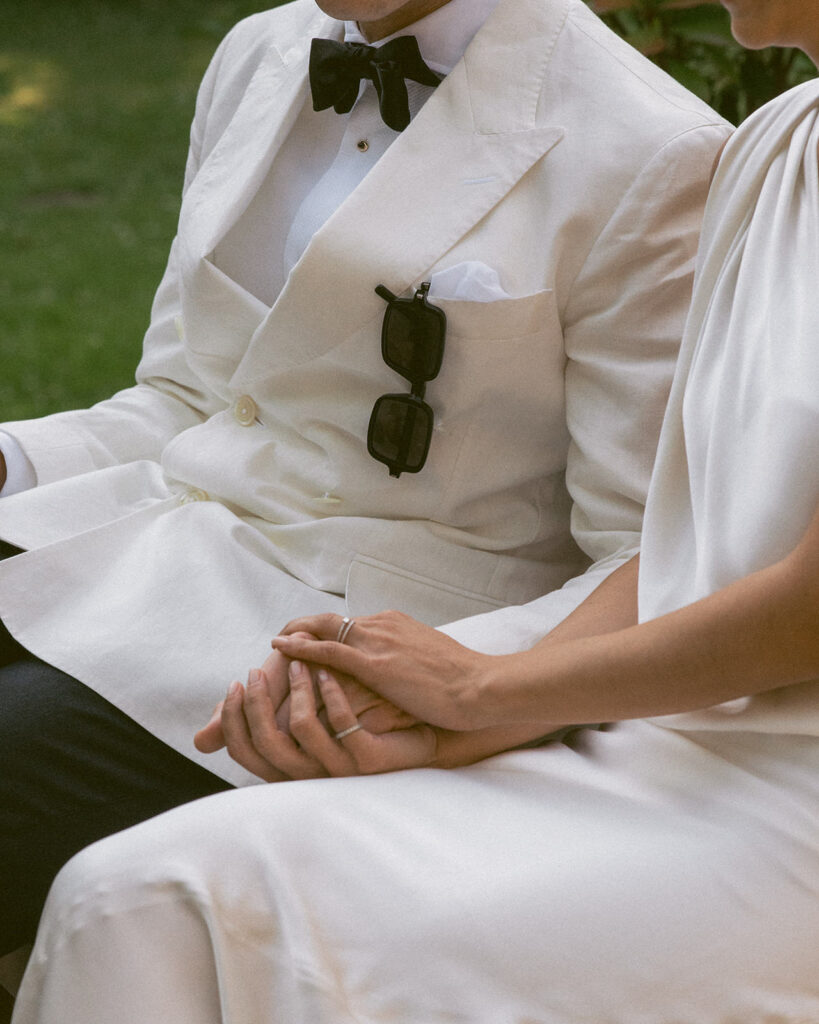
235	168
469	145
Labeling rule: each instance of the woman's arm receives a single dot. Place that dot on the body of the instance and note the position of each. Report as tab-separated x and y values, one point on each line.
612	606
757	634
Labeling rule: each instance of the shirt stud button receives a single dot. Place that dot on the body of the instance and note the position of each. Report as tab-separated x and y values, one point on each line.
362	145
245	410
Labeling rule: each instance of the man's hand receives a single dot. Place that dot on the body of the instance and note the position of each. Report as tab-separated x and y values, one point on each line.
344	746
273	675
256	723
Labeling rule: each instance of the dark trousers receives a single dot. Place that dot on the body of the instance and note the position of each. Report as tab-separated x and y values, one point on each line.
73	770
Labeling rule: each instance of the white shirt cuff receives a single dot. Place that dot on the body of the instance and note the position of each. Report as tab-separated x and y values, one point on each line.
20	475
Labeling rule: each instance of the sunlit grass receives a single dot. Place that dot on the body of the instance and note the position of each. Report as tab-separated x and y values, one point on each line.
96	98
26	87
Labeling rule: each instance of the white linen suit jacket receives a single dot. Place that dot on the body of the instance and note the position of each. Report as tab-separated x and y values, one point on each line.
180	524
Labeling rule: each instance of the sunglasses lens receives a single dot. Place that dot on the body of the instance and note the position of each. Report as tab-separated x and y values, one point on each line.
400	432
412	341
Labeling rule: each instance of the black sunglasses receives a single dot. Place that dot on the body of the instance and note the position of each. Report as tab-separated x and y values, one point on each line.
412	344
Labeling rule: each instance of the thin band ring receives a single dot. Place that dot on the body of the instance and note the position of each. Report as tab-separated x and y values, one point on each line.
347	732
344	629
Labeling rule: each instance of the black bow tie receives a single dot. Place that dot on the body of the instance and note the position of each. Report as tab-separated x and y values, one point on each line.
336	70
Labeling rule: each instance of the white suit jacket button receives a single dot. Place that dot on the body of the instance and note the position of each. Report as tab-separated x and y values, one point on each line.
245	410
194	494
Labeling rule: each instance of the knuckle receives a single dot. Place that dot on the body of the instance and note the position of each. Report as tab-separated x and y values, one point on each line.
267	744
302	726
335	716
256	700
237	751
232	737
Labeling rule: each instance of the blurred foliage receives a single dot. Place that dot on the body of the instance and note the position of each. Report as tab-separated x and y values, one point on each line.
692	41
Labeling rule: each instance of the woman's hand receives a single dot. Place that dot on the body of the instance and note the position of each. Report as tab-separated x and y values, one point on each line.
254	722
301	743
344	746
421	670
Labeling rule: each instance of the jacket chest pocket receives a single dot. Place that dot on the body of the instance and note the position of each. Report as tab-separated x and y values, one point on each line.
500	394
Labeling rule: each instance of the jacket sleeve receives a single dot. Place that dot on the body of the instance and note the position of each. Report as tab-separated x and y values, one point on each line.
167	398
622	327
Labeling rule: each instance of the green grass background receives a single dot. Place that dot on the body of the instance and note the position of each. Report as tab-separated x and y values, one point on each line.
96	98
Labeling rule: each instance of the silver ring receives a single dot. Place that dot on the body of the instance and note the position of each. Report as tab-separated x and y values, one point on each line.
344	629
347	732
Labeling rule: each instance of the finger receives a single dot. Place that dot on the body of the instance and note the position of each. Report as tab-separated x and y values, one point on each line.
276	678
369	753
414	747
237	737
384	717
308	730
283	716
323	627
210	737
341	657
276	747
340	714
274	673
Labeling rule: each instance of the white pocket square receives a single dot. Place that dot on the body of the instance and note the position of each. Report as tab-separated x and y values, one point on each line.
471	281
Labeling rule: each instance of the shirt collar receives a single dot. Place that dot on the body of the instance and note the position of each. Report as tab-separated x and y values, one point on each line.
443	36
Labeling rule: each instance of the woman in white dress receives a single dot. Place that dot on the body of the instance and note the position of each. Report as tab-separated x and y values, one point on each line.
663	870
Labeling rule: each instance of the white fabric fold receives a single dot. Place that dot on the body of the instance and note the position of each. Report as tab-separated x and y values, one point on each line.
737	475
637	876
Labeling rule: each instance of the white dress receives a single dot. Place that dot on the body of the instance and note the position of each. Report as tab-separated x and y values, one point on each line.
658	872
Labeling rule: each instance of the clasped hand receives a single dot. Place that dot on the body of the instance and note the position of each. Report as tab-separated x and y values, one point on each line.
282	725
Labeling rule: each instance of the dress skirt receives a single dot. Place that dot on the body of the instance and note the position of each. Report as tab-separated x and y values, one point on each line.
634	875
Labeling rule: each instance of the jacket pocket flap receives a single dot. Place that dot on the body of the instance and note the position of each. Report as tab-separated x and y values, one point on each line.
375	586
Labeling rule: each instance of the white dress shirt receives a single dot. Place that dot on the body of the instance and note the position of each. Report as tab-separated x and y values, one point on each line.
325	157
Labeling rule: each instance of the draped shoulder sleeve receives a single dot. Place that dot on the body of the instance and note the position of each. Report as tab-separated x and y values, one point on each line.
737	474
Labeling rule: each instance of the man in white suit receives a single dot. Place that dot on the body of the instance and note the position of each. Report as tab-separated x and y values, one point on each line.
549	190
